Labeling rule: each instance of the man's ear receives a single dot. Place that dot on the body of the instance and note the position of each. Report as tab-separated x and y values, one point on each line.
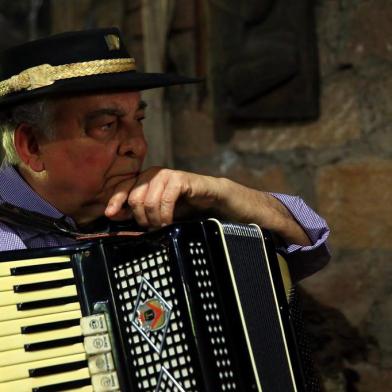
27	147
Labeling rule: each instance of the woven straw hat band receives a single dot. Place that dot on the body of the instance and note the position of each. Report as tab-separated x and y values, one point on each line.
46	74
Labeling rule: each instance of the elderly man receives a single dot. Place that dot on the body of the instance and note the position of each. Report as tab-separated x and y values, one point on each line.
74	147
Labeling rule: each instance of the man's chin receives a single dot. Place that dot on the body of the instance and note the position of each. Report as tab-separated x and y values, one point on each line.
89	213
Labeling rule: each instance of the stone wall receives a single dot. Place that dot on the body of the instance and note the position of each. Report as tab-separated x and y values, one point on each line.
21	21
341	164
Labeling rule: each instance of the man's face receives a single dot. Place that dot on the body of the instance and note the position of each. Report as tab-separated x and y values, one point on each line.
99	144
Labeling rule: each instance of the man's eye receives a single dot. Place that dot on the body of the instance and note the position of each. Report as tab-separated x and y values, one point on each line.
102	130
109	126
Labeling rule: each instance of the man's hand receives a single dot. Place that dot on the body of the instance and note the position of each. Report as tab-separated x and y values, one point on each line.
161	195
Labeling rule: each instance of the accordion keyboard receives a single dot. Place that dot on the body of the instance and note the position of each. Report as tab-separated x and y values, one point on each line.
45	343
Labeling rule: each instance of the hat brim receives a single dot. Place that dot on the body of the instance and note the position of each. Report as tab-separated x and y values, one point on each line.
131	81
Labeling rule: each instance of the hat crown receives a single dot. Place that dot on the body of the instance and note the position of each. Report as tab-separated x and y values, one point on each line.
63	48
78	62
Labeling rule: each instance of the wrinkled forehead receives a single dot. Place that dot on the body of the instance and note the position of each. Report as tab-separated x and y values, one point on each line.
127	102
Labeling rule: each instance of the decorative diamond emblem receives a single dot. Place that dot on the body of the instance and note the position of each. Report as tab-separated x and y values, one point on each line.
151	315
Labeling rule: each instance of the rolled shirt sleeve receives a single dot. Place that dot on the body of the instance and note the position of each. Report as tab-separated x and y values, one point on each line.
305	260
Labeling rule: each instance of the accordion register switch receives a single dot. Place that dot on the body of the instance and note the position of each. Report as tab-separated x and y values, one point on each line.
98	349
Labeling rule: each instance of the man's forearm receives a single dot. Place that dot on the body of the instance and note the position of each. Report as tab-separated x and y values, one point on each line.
252	206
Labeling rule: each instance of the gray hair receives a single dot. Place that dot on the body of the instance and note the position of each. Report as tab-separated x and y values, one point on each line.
36	113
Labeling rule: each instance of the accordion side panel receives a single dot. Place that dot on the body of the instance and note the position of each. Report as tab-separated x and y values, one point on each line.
264	309
311	377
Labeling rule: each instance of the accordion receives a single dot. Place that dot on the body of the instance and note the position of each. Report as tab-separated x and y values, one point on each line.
197	306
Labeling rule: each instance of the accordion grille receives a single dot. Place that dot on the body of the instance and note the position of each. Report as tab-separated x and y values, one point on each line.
212	315
161	360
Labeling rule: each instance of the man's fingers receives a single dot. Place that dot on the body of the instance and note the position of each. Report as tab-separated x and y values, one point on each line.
136	202
169	198
153	200
158	200
154	197
116	202
124	214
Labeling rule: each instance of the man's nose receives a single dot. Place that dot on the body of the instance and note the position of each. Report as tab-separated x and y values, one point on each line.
134	145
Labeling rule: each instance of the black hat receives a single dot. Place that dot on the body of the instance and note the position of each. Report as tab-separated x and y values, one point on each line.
74	62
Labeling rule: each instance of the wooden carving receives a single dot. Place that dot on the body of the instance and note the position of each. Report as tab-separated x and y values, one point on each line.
264	63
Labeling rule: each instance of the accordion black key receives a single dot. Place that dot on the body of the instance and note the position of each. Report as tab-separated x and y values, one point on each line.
197	306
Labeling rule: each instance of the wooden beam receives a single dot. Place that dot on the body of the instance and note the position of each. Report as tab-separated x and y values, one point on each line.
156	17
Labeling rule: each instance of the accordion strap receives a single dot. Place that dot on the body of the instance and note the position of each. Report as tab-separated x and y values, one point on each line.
20	217
17	216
